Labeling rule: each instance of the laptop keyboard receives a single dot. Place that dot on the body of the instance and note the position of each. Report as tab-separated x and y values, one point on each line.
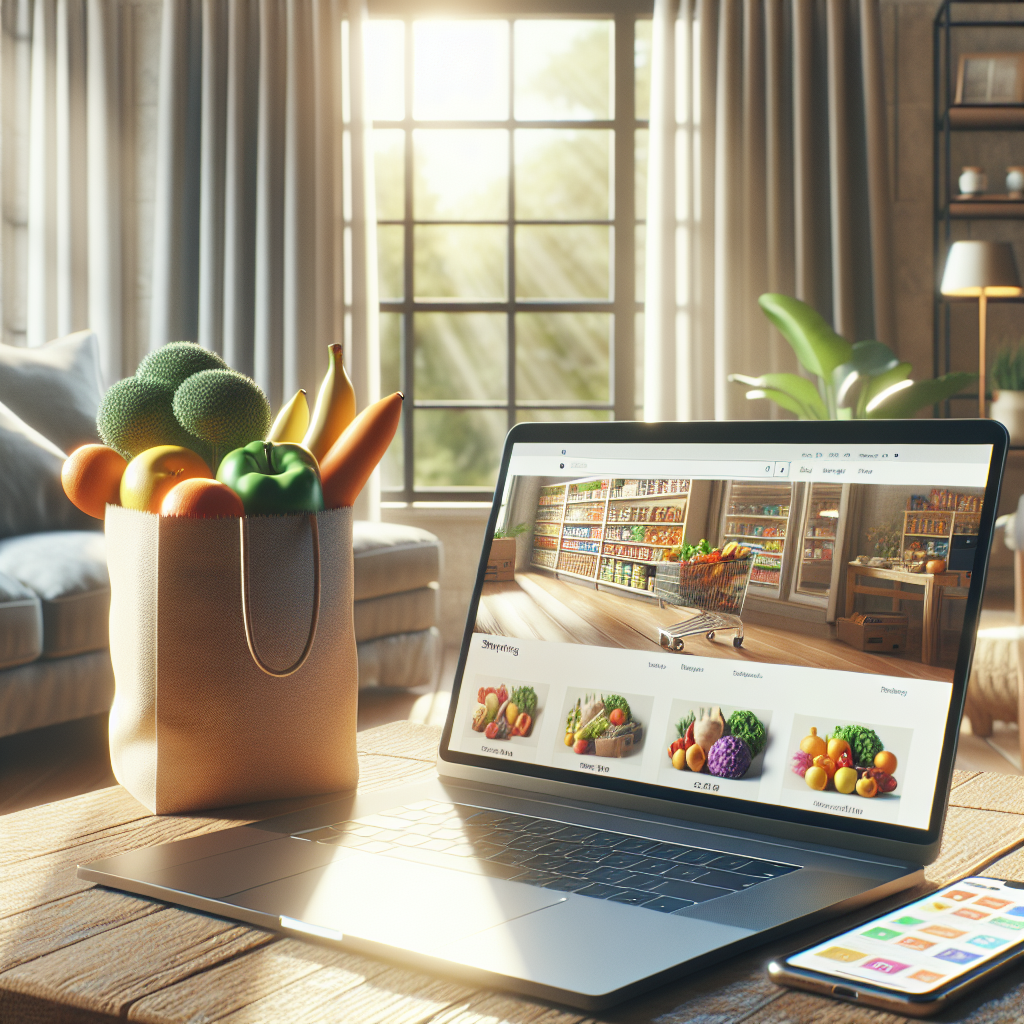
666	877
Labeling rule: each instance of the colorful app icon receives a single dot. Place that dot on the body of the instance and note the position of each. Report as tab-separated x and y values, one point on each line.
1017	912
957	956
908	922
987	941
913	942
991	902
960	895
971	914
942	931
882	934
928	977
885	966
1008	922
936	907
841	953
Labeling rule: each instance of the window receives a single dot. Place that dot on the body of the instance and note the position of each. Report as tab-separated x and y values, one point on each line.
509	172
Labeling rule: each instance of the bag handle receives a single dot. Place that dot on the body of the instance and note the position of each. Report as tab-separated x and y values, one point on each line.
247	604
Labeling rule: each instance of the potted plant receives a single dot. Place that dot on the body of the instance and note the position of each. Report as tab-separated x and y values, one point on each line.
1008	391
865	380
501	562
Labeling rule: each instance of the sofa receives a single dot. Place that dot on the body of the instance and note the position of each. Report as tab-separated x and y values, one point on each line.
54	590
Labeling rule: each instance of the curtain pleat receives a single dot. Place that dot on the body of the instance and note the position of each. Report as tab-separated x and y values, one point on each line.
768	174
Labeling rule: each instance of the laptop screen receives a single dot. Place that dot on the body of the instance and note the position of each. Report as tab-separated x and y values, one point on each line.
750	626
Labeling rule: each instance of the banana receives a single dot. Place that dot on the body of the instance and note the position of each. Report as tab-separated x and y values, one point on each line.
292	421
335	406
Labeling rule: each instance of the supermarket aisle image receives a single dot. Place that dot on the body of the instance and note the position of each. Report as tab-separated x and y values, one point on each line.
847	576
539	606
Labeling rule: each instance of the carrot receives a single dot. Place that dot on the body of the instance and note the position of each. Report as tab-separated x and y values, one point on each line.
354	456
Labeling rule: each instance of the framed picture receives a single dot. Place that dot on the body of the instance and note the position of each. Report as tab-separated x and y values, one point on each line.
986	78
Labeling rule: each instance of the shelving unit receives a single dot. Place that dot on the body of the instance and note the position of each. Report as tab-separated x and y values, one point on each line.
955	33
758	514
930	525
818	535
610	530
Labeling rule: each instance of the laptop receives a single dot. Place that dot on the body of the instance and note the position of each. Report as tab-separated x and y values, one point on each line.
713	695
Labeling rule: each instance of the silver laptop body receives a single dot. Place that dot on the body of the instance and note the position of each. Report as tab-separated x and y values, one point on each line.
568	856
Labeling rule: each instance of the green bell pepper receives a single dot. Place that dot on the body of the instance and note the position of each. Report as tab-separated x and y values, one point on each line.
273	478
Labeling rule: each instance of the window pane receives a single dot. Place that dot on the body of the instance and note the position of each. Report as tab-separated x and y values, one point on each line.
638	364
389	172
458	447
640	141
563	356
568	262
391	381
390	353
389	261
460	70
463	262
461	174
642	63
385	69
461	355
563	175
563	70
560	415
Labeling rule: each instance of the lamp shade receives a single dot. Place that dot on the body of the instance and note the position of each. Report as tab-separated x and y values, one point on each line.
975	268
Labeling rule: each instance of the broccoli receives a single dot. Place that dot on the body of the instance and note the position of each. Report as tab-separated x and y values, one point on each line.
176	361
613	702
524	698
136	414
864	742
223	408
749	728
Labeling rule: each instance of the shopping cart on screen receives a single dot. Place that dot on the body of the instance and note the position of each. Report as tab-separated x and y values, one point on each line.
714	590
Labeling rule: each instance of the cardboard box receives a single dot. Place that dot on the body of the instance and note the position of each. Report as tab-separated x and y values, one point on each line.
881	637
501	562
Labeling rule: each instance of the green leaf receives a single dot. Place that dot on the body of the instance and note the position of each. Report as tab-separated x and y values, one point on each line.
870	358
799	390
876	385
922	393
817	347
780	398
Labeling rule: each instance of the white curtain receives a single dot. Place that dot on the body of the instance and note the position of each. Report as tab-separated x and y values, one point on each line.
768	172
61	266
264	240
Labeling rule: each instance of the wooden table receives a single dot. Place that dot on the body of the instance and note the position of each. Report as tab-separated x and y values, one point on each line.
930	597
71	952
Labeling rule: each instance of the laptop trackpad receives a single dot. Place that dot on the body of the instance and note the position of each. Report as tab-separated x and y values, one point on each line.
397	902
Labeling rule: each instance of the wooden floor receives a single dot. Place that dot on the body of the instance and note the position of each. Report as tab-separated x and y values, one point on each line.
541	607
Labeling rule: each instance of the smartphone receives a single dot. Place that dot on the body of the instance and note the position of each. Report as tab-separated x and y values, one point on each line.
918	958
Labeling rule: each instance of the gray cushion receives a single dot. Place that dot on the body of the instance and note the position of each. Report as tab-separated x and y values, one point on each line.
400	662
390	558
67	570
55	388
408	612
31	495
21	623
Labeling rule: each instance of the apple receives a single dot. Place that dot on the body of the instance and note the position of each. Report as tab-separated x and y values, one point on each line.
152	473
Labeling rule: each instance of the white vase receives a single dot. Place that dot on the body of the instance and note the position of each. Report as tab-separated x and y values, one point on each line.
1008	408
972	181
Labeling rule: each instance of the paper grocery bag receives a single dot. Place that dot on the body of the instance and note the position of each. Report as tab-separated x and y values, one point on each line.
224	697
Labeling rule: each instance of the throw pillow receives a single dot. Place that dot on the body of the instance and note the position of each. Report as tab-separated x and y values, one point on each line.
31	496
55	388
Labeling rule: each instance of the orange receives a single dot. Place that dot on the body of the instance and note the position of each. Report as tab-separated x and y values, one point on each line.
92	478
886	760
202	499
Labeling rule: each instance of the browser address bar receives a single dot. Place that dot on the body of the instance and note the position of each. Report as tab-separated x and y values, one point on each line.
700	468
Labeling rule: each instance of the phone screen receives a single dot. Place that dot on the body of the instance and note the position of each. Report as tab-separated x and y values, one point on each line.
923	946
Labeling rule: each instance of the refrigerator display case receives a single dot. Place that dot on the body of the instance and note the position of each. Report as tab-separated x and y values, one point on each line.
818	538
757	514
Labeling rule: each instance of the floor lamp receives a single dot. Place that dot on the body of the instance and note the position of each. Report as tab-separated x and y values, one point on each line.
981	270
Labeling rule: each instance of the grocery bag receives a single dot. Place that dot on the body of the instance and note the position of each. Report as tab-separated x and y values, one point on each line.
234	657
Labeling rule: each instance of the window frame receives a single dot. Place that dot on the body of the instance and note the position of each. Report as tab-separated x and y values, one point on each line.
623	303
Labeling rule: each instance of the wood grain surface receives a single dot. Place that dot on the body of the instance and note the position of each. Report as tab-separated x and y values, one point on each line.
73	953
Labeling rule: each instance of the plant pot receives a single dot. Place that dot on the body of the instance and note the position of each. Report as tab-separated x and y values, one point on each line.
1008	408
